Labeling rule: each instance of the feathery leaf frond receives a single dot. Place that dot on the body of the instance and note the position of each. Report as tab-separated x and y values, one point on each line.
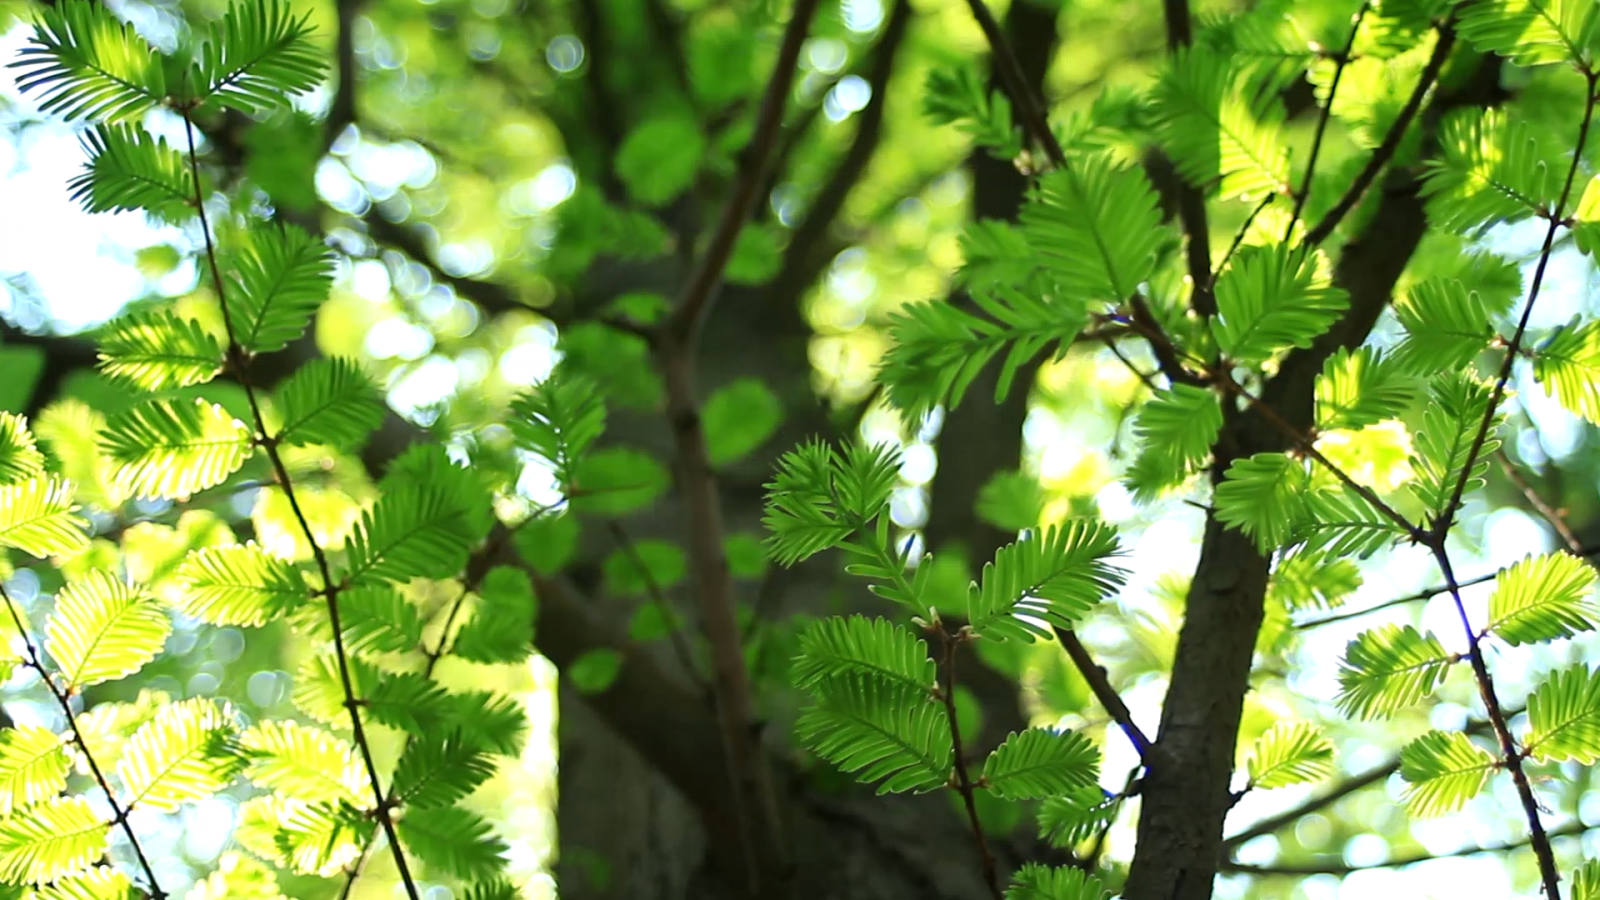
328	401
858	645
1543	598
103	629
877	730
1564	717
238	585
37	517
1388	668
186	753
1176	429
85	63
50	839
1444	770
276	285
158	351
1041	762
1273	298
170	449
258	55
1290	753
1055	576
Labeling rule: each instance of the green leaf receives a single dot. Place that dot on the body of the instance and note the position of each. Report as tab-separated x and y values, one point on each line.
1543	598
1096	228
1586	882
1068	819
1533	32
409	701
595	671
1041	762
157	351
36	517
870	648
1011	501
1214	132
560	419
1444	770
277	283
1263	496
95	883
651	565
954	95
257	55
238	585
617	480
186	753
309	838
498	889
1342	522
1490	169
738	418
490	720
414	531
1564	717
171	449
1450	424
1035	881
20	458
1586	219
501	627
1055	576
877	731
319	691
455	841
33	767
1388	668
302	762
464	487
437	770
1290	753
659	159
1360	388
1273	298
548	542
1311	580
1176	429
378	619
820	497
1446	325
939	349
50	839
1568	368
85	63
328	401
103	629
237	877
129	169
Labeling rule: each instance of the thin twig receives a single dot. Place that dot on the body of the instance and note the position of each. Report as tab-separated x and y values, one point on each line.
1510	755
1556	517
1391	142
765	854
963	780
118	811
1238	239
1441	526
1100	686
1191	201
1570	829
1015	80
1322	121
238	361
669	614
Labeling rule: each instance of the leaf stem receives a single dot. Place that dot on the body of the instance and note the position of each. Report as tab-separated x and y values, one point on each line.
964	785
1322	122
118	811
239	361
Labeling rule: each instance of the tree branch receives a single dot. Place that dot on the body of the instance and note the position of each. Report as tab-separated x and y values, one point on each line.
1322	120
1571	829
963	779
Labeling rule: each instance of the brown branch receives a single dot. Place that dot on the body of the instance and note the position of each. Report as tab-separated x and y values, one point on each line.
1571	829
342	112
963	779
1556	517
1391	142
1322	120
1100	685
238	362
1015	80
659	598
119	813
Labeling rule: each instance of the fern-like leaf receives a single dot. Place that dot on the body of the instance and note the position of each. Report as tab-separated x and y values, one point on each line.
170	449
1068	819
1176	429
302	762
378	619
501	628
1264	497
1534	32
439	769
455	841
37	517
1564	717
186	753
857	645
416	531
1055	576
328	401
1446	325
238	585
1444	770
1041	762
50	839
129	169
20	458
1273	298
258	55
1360	388
560	419
1095	228
276	286
820	497
1212	130
33	767
1035	881
1290	753
1568	368
1543	598
157	351
1450	424
103	629
1388	668
878	731
1490	169
85	63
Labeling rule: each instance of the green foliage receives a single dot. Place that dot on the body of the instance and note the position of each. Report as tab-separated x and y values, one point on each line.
1443	770
276	284
879	731
128	169
171	449
1074	816
1446	325
86	64
1586	882
1568	368
1214	131
238	585
1360	388
1055	576
256	55
1534	32
1543	598
658	160
328	401
1271	299
955	96
1264	497
1564	717
1389	668
1290	753
738	418
186	752
560	420
33	767
1491	170
1039	882
873	649
38	517
1450	425
1095	228
158	351
19	453
1176	428
501	628
414	531
1041	762
49	840
102	629
454	841
819	497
